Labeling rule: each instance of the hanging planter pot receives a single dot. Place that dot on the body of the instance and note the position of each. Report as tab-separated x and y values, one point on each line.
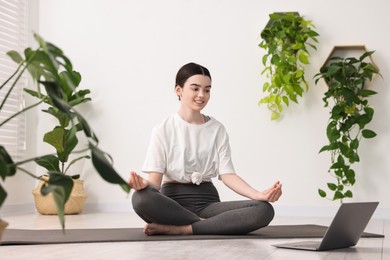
45	204
286	39
350	113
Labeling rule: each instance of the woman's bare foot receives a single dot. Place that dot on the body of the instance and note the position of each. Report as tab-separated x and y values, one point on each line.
158	229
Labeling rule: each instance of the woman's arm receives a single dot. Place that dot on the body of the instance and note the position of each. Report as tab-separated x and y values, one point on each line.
237	184
138	183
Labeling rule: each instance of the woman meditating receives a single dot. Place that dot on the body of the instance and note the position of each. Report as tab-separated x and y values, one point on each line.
186	151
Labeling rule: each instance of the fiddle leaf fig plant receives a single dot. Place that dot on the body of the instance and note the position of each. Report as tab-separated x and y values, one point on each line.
286	39
52	71
350	113
63	137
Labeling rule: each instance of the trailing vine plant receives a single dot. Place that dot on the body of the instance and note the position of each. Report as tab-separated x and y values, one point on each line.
350	113
286	38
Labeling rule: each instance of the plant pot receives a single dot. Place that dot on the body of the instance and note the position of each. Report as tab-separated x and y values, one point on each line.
3	225
75	205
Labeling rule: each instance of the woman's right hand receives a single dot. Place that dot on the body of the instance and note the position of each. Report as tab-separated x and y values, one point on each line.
137	182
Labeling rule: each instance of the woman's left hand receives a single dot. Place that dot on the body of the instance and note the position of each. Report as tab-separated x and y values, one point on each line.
272	194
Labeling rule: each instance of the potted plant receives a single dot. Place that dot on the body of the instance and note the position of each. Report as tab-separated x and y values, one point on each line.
286	38
52	70
350	113
63	138
3	225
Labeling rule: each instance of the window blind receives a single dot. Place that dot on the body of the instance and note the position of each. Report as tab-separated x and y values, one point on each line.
13	36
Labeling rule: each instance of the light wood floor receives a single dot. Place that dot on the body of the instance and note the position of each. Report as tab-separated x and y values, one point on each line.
367	248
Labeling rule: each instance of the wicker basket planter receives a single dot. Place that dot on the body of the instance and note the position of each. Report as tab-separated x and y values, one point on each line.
3	225
75	205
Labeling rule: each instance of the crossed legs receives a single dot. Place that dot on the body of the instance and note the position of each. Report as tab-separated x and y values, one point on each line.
165	216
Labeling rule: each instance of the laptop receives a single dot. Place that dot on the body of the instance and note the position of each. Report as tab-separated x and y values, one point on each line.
345	230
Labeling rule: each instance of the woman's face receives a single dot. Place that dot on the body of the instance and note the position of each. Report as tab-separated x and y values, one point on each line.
195	93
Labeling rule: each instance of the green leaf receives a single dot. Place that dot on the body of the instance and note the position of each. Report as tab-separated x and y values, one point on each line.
285	100
363	120
368	133
337	110
303	57
15	56
264	100
34	93
354	144
275	115
322	193
7	166
366	54
338	195
69	143
298	74
348	194
87	129
69	81
354	158
55	138
264	60
49	162
60	186
274	16
105	169
266	86
369	111
3	195
333	69
332	186
350	175
53	90
275	59
367	92
324	148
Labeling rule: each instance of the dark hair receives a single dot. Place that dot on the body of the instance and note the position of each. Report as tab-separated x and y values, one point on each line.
189	70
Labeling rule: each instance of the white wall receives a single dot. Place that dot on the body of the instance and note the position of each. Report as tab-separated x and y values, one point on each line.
128	53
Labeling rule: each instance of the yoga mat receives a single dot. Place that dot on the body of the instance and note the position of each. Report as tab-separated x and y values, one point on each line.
56	236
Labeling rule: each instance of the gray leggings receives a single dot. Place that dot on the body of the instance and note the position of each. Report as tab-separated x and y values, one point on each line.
186	204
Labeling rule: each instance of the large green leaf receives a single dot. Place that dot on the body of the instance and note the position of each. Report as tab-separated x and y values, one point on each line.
53	90
40	64
60	186
7	167
55	138
105	168
3	195
69	81
70	142
15	56
63	119
87	129
49	162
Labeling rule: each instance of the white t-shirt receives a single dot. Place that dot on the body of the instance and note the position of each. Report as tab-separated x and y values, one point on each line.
186	153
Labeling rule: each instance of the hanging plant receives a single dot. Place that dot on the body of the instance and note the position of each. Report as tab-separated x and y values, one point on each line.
286	38
349	115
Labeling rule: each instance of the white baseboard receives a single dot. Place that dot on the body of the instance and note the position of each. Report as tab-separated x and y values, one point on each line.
310	211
